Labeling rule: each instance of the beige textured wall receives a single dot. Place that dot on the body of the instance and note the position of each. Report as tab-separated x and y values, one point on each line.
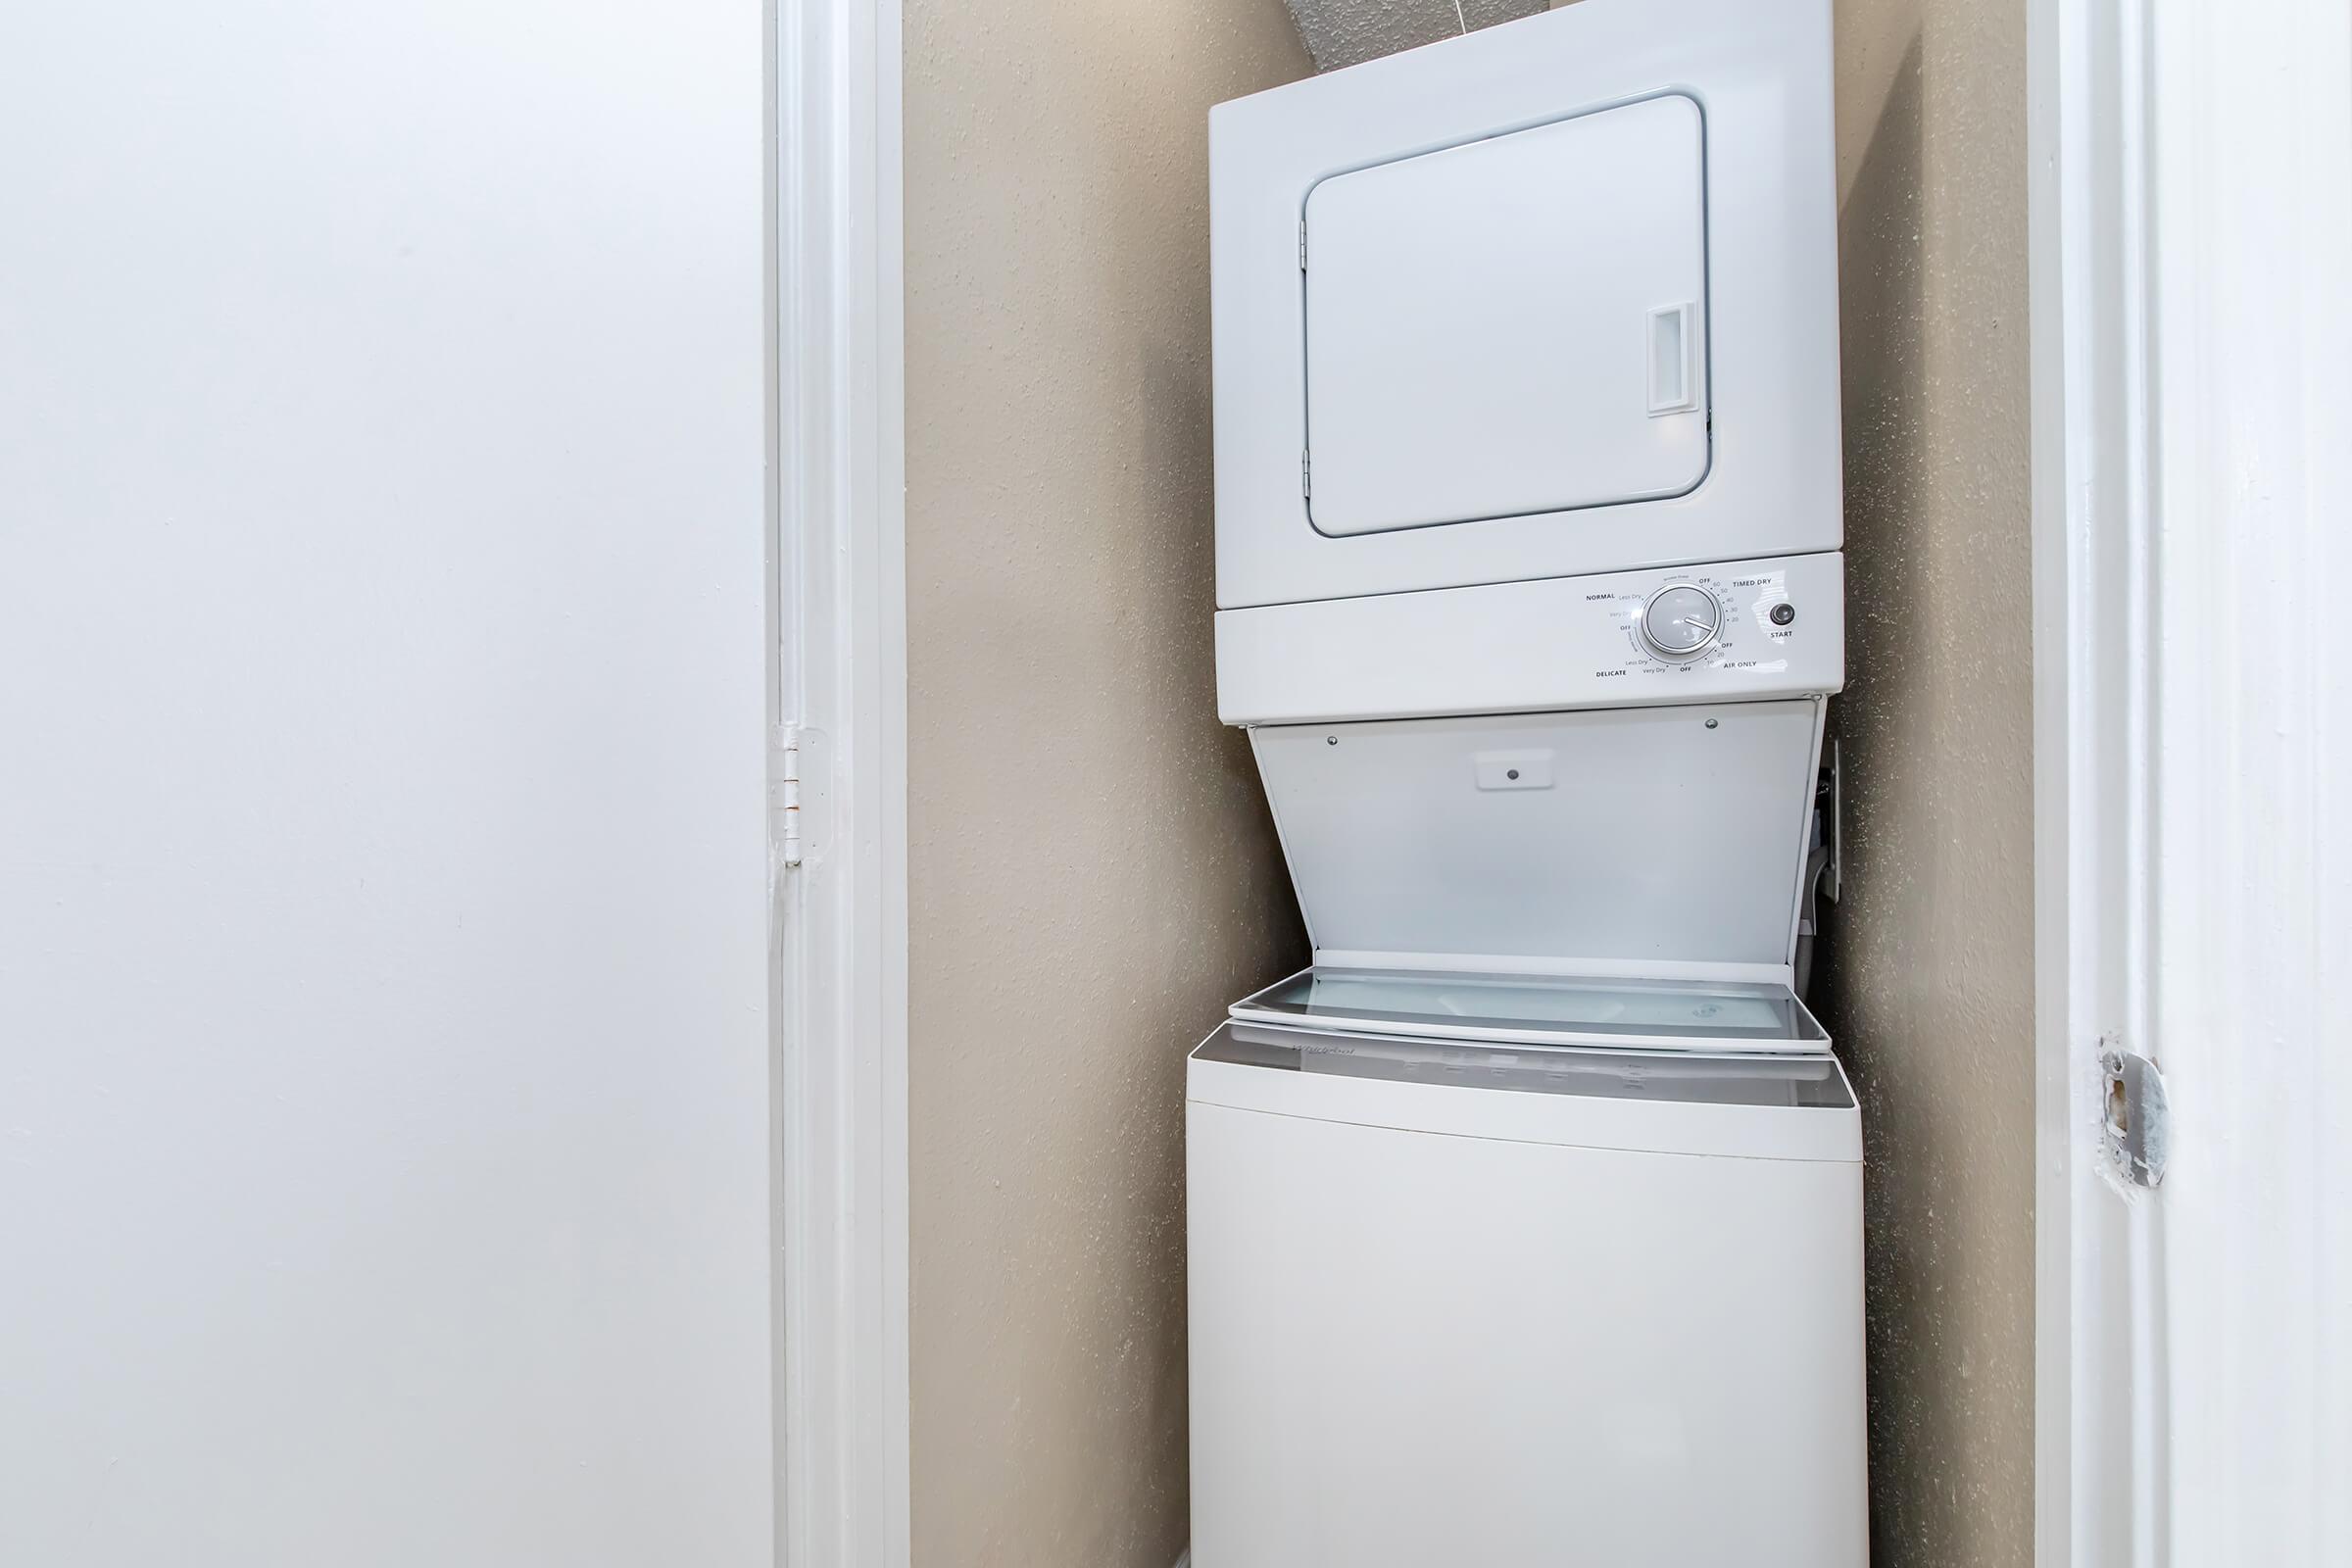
1058	583
1094	876
1928	963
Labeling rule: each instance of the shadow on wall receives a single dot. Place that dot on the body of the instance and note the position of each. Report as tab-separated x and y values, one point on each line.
1882	312
1925	976
1082	828
1176	427
1881	309
1883	305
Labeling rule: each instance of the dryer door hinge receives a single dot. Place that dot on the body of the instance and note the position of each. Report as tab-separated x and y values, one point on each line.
784	793
1302	244
1306	473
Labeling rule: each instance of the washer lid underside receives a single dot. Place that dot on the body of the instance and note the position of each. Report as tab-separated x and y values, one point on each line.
1660	842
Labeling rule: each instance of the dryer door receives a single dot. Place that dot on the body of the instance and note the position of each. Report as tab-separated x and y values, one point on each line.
1552	299
1512	327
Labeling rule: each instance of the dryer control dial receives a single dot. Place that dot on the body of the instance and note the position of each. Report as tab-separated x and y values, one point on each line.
1681	621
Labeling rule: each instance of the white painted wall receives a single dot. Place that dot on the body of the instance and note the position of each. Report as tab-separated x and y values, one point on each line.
384	1166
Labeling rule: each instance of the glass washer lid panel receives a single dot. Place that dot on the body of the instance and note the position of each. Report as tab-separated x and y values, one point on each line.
1680	1077
1541	1009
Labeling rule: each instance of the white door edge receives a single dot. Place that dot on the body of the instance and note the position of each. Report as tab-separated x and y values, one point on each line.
2191	205
843	1420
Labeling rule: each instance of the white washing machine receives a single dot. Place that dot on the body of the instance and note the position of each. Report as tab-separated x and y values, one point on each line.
1526	1226
1466	1304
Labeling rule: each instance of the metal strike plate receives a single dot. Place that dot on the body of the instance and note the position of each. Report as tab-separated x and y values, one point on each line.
2137	1116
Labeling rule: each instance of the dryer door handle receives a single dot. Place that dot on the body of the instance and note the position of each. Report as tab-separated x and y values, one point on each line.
1673	358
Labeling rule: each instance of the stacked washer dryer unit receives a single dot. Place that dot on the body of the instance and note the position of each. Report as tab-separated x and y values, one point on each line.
1526	1226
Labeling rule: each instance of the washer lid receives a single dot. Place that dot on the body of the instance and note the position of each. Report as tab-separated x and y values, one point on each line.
1665	842
1722	1016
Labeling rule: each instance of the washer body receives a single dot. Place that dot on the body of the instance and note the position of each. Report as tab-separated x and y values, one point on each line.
1448	1307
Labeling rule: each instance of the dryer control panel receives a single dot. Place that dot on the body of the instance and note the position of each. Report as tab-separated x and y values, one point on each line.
1731	618
1739	631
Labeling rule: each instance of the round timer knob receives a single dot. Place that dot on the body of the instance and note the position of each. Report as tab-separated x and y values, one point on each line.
1681	621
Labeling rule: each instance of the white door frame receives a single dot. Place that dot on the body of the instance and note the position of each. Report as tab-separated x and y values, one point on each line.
2086	141
841	787
2192	204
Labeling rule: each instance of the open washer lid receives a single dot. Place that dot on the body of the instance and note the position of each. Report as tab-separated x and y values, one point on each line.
1622	878
1663	841
1721	1016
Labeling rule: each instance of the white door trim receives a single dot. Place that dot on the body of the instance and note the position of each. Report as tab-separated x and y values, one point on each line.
2086	138
840	461
2191	191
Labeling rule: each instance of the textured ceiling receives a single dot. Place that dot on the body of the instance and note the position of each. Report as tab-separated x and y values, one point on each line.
1347	32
